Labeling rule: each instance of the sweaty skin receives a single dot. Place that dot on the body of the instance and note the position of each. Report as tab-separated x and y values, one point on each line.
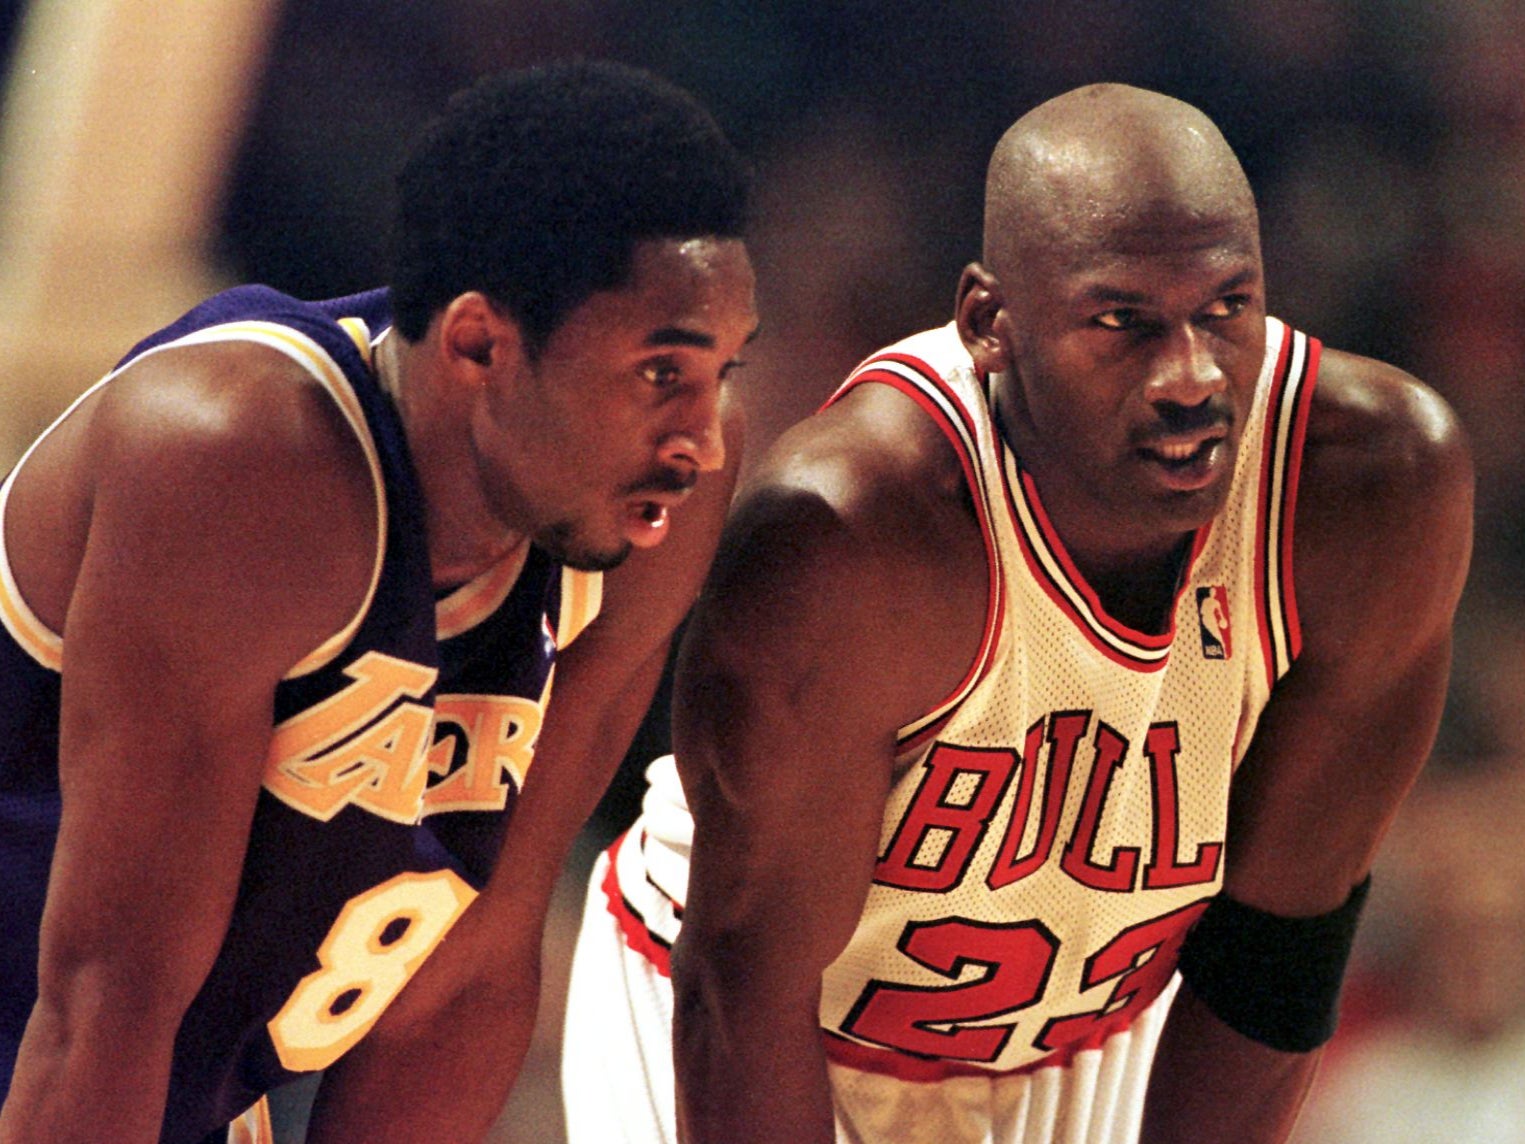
1120	312
1104	212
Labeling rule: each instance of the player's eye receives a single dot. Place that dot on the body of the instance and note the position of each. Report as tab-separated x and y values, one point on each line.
662	374
1229	306
1119	319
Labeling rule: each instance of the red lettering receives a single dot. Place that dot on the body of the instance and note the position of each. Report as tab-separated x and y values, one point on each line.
1064	731
949	813
1115	876
1016	959
961	789
1162	745
1141	959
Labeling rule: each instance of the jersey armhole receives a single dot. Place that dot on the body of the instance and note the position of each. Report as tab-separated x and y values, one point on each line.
46	646
39	641
582	596
924	385
1281	468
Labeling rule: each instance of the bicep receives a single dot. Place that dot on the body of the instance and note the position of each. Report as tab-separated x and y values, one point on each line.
787	804
821	632
181	619
1381	552
159	767
157	681
1329	766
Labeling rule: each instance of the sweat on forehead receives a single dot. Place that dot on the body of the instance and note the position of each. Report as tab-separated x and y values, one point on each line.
1109	156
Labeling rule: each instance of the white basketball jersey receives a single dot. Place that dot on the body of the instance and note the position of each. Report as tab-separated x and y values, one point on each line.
1063	819
1060	820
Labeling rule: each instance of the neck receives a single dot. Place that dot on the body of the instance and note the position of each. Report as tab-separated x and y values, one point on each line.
1140	592
1133	568
448	572
1135	579
465	537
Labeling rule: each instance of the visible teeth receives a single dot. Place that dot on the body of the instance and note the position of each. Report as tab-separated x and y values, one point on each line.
1176	452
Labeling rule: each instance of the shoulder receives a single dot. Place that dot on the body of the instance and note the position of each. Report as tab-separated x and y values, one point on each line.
236	406
239	467
1384	505
870	481
853	548
1378	428
257	304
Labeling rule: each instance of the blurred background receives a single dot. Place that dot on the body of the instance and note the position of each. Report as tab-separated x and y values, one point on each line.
152	151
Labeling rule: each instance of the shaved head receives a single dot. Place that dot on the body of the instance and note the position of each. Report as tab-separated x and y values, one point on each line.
1106	164
1120	301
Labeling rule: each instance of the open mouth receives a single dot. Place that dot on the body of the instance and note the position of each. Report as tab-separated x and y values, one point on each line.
648	511
1188	465
647	522
1178	453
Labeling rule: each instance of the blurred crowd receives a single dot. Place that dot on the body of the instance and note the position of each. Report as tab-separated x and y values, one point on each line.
1386	142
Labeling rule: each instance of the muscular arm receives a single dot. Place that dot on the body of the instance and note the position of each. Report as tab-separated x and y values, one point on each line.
1383	533
194	533
470	1012
838	610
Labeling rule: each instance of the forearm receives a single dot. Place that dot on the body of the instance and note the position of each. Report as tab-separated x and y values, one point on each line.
455	1100
441	1063
749	1071
1211	1085
72	1079
442	1060
775	1096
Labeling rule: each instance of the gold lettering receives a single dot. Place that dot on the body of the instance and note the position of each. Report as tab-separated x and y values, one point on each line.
500	733
379	760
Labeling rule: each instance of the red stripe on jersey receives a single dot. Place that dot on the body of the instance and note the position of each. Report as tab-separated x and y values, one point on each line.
913	743
1146	644
995	601
632	925
1269	442
909	388
1055	545
1289	510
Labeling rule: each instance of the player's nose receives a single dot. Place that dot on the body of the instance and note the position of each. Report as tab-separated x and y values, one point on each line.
699	438
1185	370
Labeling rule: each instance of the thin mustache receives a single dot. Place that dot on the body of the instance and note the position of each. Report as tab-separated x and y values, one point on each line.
1176	420
664	481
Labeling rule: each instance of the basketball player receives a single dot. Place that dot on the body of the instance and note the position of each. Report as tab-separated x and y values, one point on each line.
970	776
283	600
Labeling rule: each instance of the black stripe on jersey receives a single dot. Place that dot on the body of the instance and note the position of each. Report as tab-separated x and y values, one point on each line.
1286	415
916	379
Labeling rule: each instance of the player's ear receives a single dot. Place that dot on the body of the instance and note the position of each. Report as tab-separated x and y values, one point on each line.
476	335
977	307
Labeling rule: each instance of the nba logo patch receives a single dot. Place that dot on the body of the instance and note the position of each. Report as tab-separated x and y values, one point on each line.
1212	618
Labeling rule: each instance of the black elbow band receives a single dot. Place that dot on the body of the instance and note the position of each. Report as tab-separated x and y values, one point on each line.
1274	979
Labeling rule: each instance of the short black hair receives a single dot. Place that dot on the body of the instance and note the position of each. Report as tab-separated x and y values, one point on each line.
535	185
